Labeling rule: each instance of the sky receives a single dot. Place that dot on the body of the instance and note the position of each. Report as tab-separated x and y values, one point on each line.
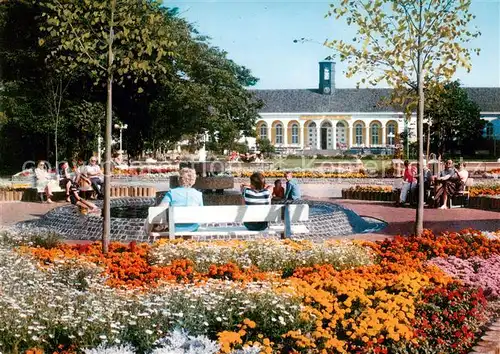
260	35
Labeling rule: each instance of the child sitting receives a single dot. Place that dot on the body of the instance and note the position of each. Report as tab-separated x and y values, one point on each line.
278	190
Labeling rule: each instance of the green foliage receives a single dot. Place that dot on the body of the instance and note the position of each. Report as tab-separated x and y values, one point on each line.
456	119
173	84
81	32
46	240
265	147
391	37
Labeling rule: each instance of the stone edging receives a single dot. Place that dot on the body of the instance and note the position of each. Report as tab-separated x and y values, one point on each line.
490	341
485	203
477	202
11	196
31	195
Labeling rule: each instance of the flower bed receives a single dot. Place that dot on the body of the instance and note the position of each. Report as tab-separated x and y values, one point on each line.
482	190
382	193
139	171
409	294
304	174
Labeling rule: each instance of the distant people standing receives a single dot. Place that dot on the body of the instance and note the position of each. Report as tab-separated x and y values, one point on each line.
292	191
257	193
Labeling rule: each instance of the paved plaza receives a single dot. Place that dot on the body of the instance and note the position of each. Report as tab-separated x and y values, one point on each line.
400	220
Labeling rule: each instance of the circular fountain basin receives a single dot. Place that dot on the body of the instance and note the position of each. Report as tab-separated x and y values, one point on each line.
326	221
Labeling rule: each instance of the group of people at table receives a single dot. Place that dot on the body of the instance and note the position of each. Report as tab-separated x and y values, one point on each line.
444	185
257	192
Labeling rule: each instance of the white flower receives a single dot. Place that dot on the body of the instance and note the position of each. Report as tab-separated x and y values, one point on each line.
148	332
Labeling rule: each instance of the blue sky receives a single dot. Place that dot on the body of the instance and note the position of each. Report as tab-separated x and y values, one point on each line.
260	34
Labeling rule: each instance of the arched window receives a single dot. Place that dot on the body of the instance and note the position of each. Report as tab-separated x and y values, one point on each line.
489	130
295	133
263	131
375	128
391	134
279	133
359	133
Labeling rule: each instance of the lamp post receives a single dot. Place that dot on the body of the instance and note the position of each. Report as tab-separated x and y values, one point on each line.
407	138
121	127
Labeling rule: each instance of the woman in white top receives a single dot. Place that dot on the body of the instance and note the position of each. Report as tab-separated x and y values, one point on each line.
43	180
463	173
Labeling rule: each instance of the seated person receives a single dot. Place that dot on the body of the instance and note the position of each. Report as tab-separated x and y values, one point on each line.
292	190
65	179
409	183
83	204
427	180
44	181
184	195
446	184
257	193
116	161
94	174
278	190
463	174
247	157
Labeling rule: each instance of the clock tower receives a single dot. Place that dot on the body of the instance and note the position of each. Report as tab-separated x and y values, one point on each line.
326	77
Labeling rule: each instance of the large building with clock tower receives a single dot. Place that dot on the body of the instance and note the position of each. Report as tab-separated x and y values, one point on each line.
327	119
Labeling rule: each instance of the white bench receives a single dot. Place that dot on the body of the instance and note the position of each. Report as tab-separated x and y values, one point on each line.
286	214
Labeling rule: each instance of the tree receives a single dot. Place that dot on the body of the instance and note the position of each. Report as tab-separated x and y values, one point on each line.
405	43
455	118
115	39
265	147
207	95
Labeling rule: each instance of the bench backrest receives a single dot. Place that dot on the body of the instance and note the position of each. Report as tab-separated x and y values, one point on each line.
228	213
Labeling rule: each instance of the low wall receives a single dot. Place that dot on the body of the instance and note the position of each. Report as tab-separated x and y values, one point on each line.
31	195
478	202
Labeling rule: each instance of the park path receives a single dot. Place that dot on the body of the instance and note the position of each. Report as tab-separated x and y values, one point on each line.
400	220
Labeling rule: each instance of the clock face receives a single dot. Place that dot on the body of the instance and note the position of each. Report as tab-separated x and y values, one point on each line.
326	90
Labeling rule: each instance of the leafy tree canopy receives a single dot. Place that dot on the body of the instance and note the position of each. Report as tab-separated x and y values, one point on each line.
455	118
182	88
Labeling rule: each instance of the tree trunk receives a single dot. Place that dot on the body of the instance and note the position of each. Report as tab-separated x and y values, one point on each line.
55	145
419	223
106	222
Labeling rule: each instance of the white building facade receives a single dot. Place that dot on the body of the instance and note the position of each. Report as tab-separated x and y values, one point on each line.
328	120
330	131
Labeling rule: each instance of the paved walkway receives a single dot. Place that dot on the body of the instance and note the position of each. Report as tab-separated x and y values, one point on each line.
400	220
14	212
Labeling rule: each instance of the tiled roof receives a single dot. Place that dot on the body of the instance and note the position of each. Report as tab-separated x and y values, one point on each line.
353	100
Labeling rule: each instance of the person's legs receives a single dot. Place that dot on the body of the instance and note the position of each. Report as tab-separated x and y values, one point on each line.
445	199
48	192
68	186
438	193
97	185
88	204
404	192
413	192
